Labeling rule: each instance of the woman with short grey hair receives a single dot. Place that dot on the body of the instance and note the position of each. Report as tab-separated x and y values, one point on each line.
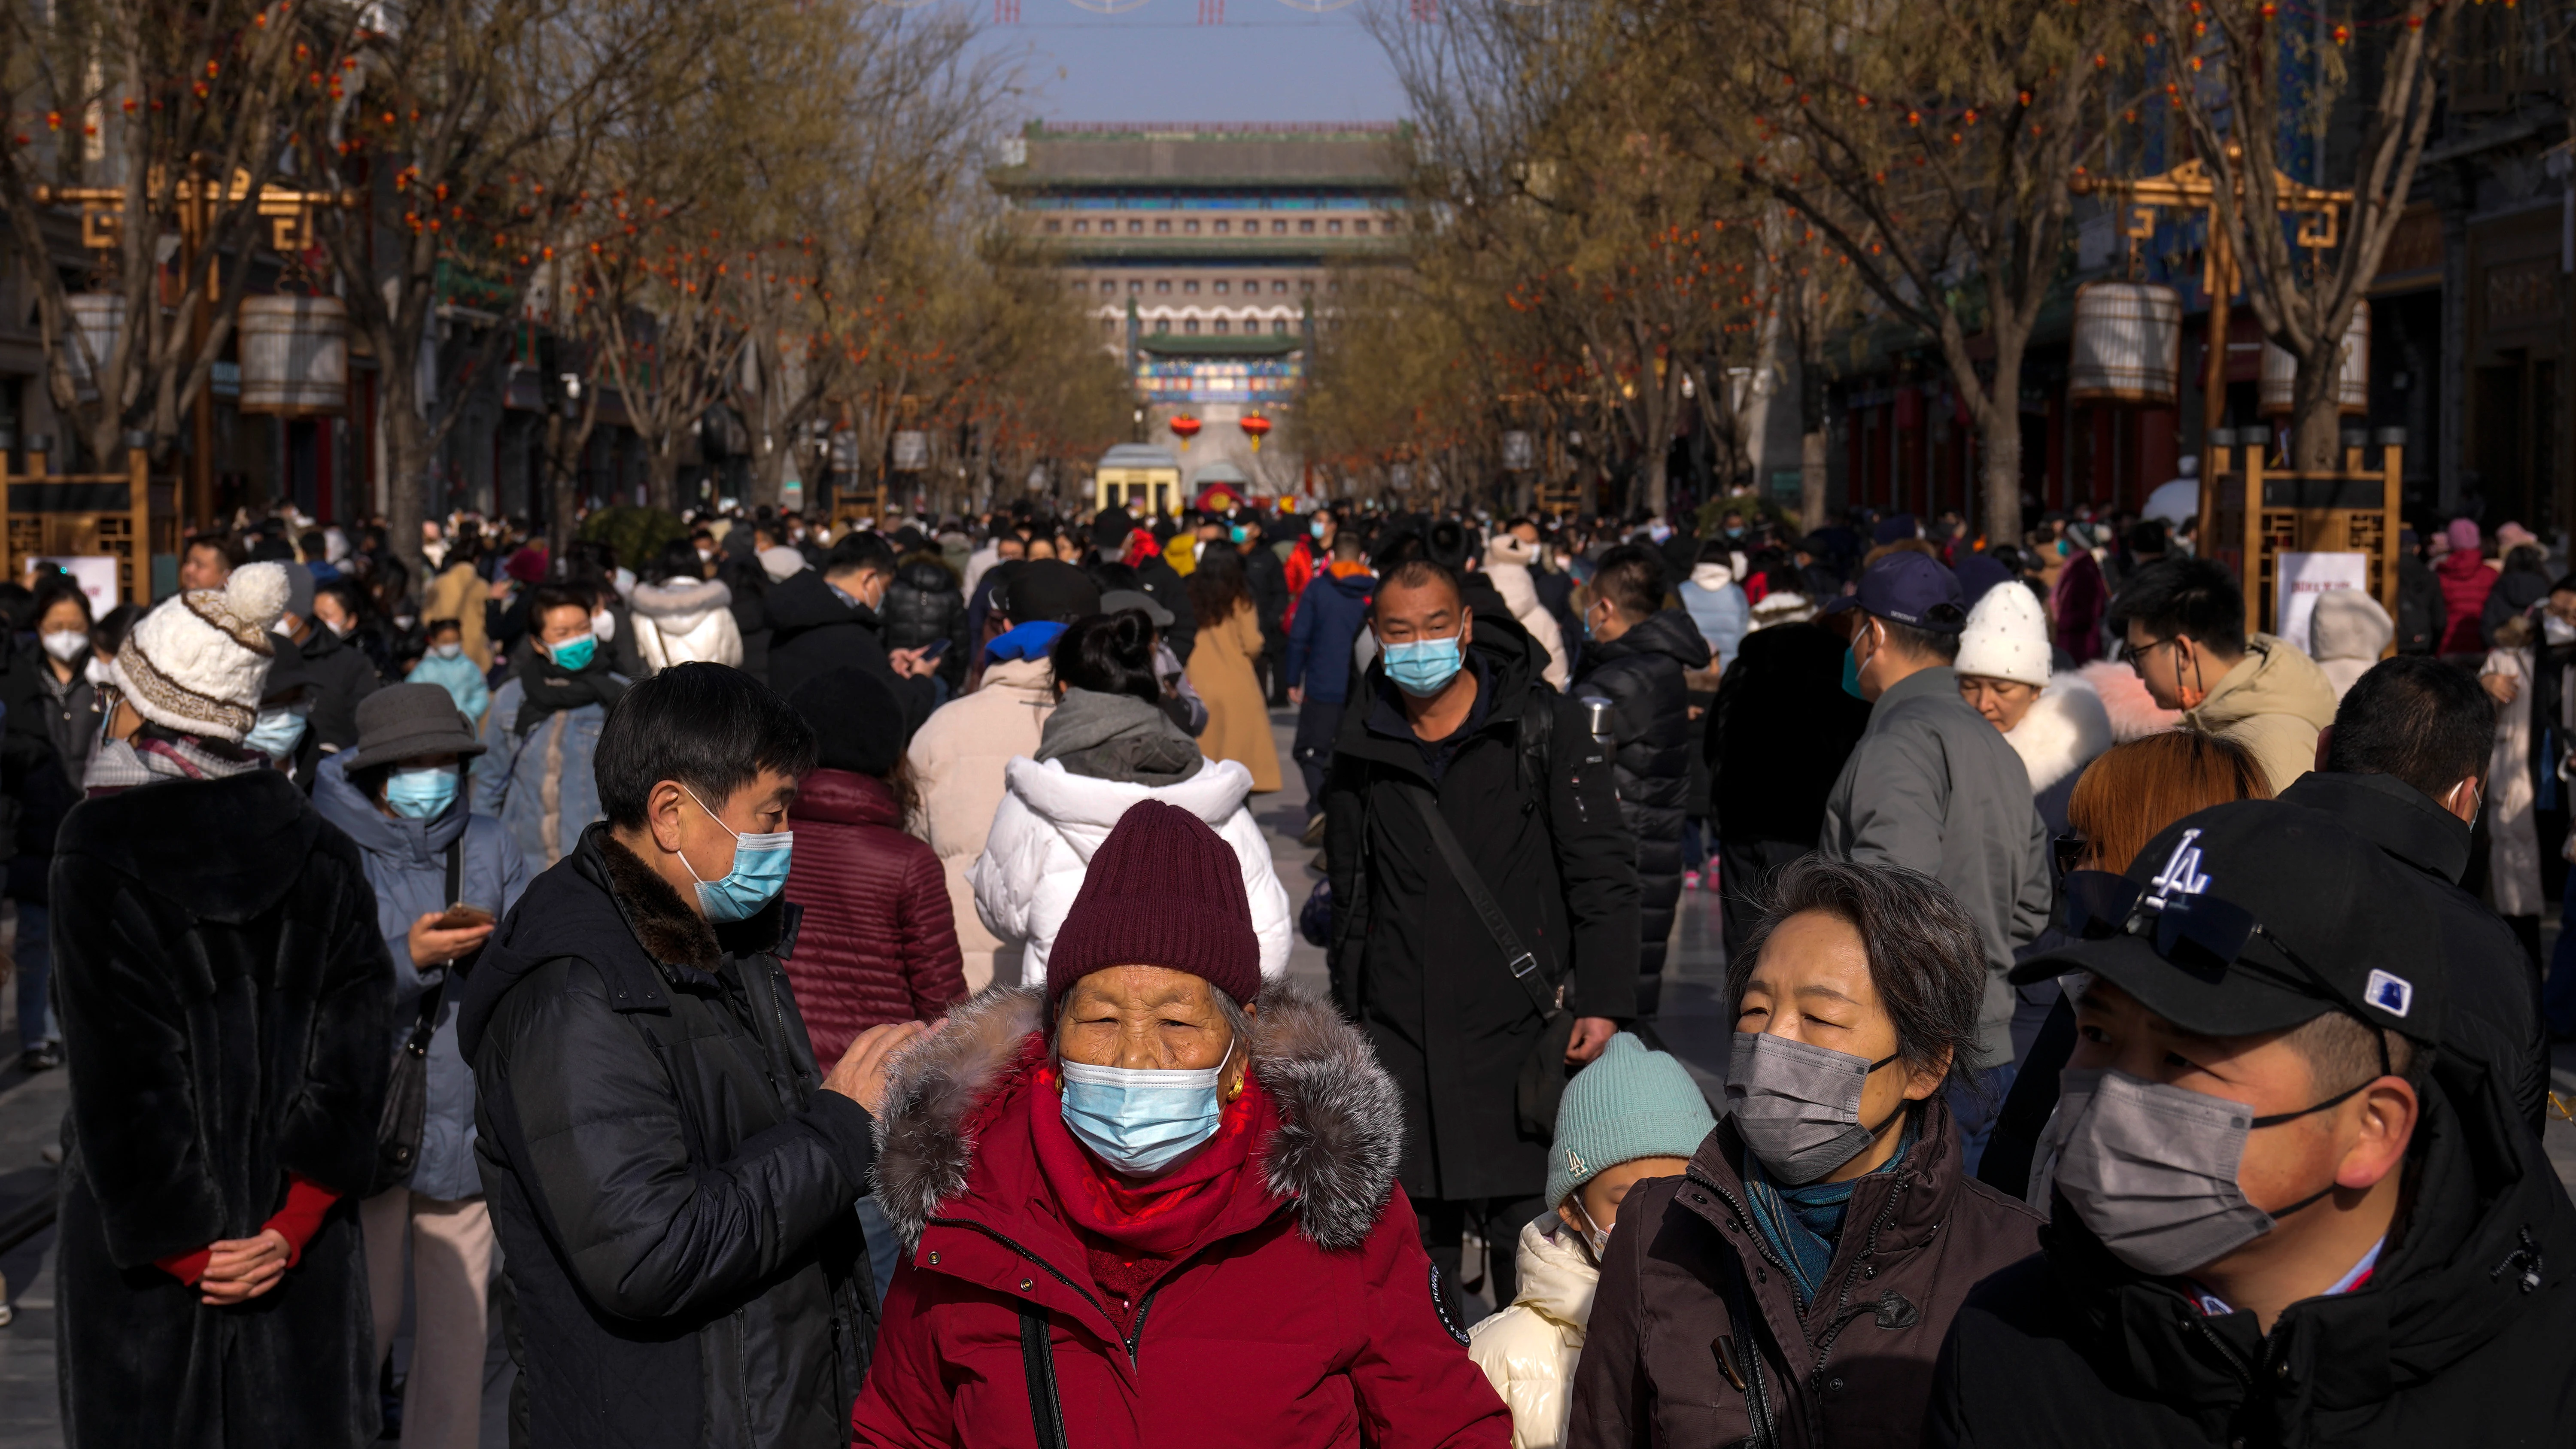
1830	1197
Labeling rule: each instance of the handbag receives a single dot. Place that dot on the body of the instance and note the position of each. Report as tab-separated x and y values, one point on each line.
1540	1085
398	1131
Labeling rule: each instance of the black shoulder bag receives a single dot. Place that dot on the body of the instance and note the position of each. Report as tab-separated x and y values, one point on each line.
1541	1083
398	1131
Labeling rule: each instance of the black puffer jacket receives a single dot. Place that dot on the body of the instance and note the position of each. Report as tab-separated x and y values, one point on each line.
1641	674
924	605
2465	1333
814	630
672	1191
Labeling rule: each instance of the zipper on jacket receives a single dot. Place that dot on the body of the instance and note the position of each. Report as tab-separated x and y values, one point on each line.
1844	1313
2236	1361
1128	1343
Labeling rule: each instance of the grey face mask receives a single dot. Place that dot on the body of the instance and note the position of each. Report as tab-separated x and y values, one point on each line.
2151	1169
1798	1106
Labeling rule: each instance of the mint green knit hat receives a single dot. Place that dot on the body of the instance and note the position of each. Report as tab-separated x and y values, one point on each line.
1630	1103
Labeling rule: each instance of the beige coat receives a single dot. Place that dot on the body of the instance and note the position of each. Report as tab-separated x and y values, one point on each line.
1529	1350
459	594
957	759
1238	726
2274	702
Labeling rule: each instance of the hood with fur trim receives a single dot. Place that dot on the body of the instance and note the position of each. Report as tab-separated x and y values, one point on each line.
1340	1135
2065	728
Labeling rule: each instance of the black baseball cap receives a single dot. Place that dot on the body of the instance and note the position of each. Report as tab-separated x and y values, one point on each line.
1047	590
1910	588
2254	916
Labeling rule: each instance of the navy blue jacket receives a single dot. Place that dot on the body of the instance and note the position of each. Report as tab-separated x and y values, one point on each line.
1330	616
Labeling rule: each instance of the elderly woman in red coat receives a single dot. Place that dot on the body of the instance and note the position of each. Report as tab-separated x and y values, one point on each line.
1142	1206
876	937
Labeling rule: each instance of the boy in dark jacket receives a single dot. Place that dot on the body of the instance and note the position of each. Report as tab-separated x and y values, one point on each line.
1636	659
2284	1210
1330	615
671	1183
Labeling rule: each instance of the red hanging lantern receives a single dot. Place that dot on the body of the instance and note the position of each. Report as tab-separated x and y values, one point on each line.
1256	427
1184	427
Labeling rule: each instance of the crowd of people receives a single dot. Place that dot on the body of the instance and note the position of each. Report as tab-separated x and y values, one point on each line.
826	983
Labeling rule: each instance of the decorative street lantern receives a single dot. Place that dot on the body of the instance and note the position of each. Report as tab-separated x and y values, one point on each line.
2127	346
1256	427
294	355
2352	374
1185	427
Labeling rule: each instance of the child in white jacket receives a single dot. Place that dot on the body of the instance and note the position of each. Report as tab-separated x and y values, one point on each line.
1632	1115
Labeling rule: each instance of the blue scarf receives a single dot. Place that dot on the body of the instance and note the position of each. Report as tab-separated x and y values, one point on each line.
1803	1224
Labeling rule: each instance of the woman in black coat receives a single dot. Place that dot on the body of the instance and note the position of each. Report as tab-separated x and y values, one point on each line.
226	1003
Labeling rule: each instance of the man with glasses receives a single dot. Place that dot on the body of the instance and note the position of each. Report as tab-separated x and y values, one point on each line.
2182	623
2284	1209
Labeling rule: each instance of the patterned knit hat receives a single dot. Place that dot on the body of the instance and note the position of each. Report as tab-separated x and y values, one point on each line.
198	663
1162	890
1630	1103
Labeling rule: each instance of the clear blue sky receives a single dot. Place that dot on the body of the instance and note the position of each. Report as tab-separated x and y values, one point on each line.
1155	62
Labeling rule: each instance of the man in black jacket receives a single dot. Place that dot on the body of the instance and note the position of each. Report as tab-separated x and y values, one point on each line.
2406	770
1452	718
2285	1211
824	619
672	1185
1638	653
338	673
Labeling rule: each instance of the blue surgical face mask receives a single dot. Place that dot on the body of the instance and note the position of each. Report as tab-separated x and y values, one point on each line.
421	792
1851	675
1141	1121
1316	528
277	731
1424	667
574	653
759	870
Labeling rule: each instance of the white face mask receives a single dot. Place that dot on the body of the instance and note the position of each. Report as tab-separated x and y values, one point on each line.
447	651
96	672
603	626
2557	630
67	644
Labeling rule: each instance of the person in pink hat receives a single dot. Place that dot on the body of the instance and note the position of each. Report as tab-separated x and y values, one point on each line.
2465	580
1154	1201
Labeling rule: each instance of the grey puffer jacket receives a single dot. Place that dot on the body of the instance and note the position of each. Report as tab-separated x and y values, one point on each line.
1934	788
406	862
671	1188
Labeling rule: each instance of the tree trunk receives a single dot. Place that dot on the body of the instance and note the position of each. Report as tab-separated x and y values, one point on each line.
405	438
1812	436
2317	433
662	477
2001	435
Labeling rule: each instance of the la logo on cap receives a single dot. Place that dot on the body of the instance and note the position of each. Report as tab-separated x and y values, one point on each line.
2182	874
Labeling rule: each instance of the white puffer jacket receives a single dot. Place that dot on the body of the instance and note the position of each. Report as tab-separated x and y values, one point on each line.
686	621
1529	1350
1051	821
1507	563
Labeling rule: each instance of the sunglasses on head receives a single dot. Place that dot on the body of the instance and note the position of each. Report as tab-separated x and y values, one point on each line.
2100	905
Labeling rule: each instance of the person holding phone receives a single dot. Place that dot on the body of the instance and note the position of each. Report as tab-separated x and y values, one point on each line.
442	877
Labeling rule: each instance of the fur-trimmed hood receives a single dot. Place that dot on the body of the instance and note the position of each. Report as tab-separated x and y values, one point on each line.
2065	728
679	604
1341	1120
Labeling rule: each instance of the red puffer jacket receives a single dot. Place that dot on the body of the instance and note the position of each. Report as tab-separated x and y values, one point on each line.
879	940
1301	1316
2466	581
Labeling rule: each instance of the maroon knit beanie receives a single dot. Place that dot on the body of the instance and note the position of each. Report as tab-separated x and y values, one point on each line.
1163	890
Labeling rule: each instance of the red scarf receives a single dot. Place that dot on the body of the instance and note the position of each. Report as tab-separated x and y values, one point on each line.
1134	1232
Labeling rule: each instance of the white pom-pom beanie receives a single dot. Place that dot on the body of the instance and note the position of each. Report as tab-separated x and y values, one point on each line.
2007	637
197	663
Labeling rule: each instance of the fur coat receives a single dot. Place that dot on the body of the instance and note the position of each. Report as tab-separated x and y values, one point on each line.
227	1009
1307	1298
2065	728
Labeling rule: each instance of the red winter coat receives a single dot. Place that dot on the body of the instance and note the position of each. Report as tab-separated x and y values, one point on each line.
2466	581
1301	1317
878	942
